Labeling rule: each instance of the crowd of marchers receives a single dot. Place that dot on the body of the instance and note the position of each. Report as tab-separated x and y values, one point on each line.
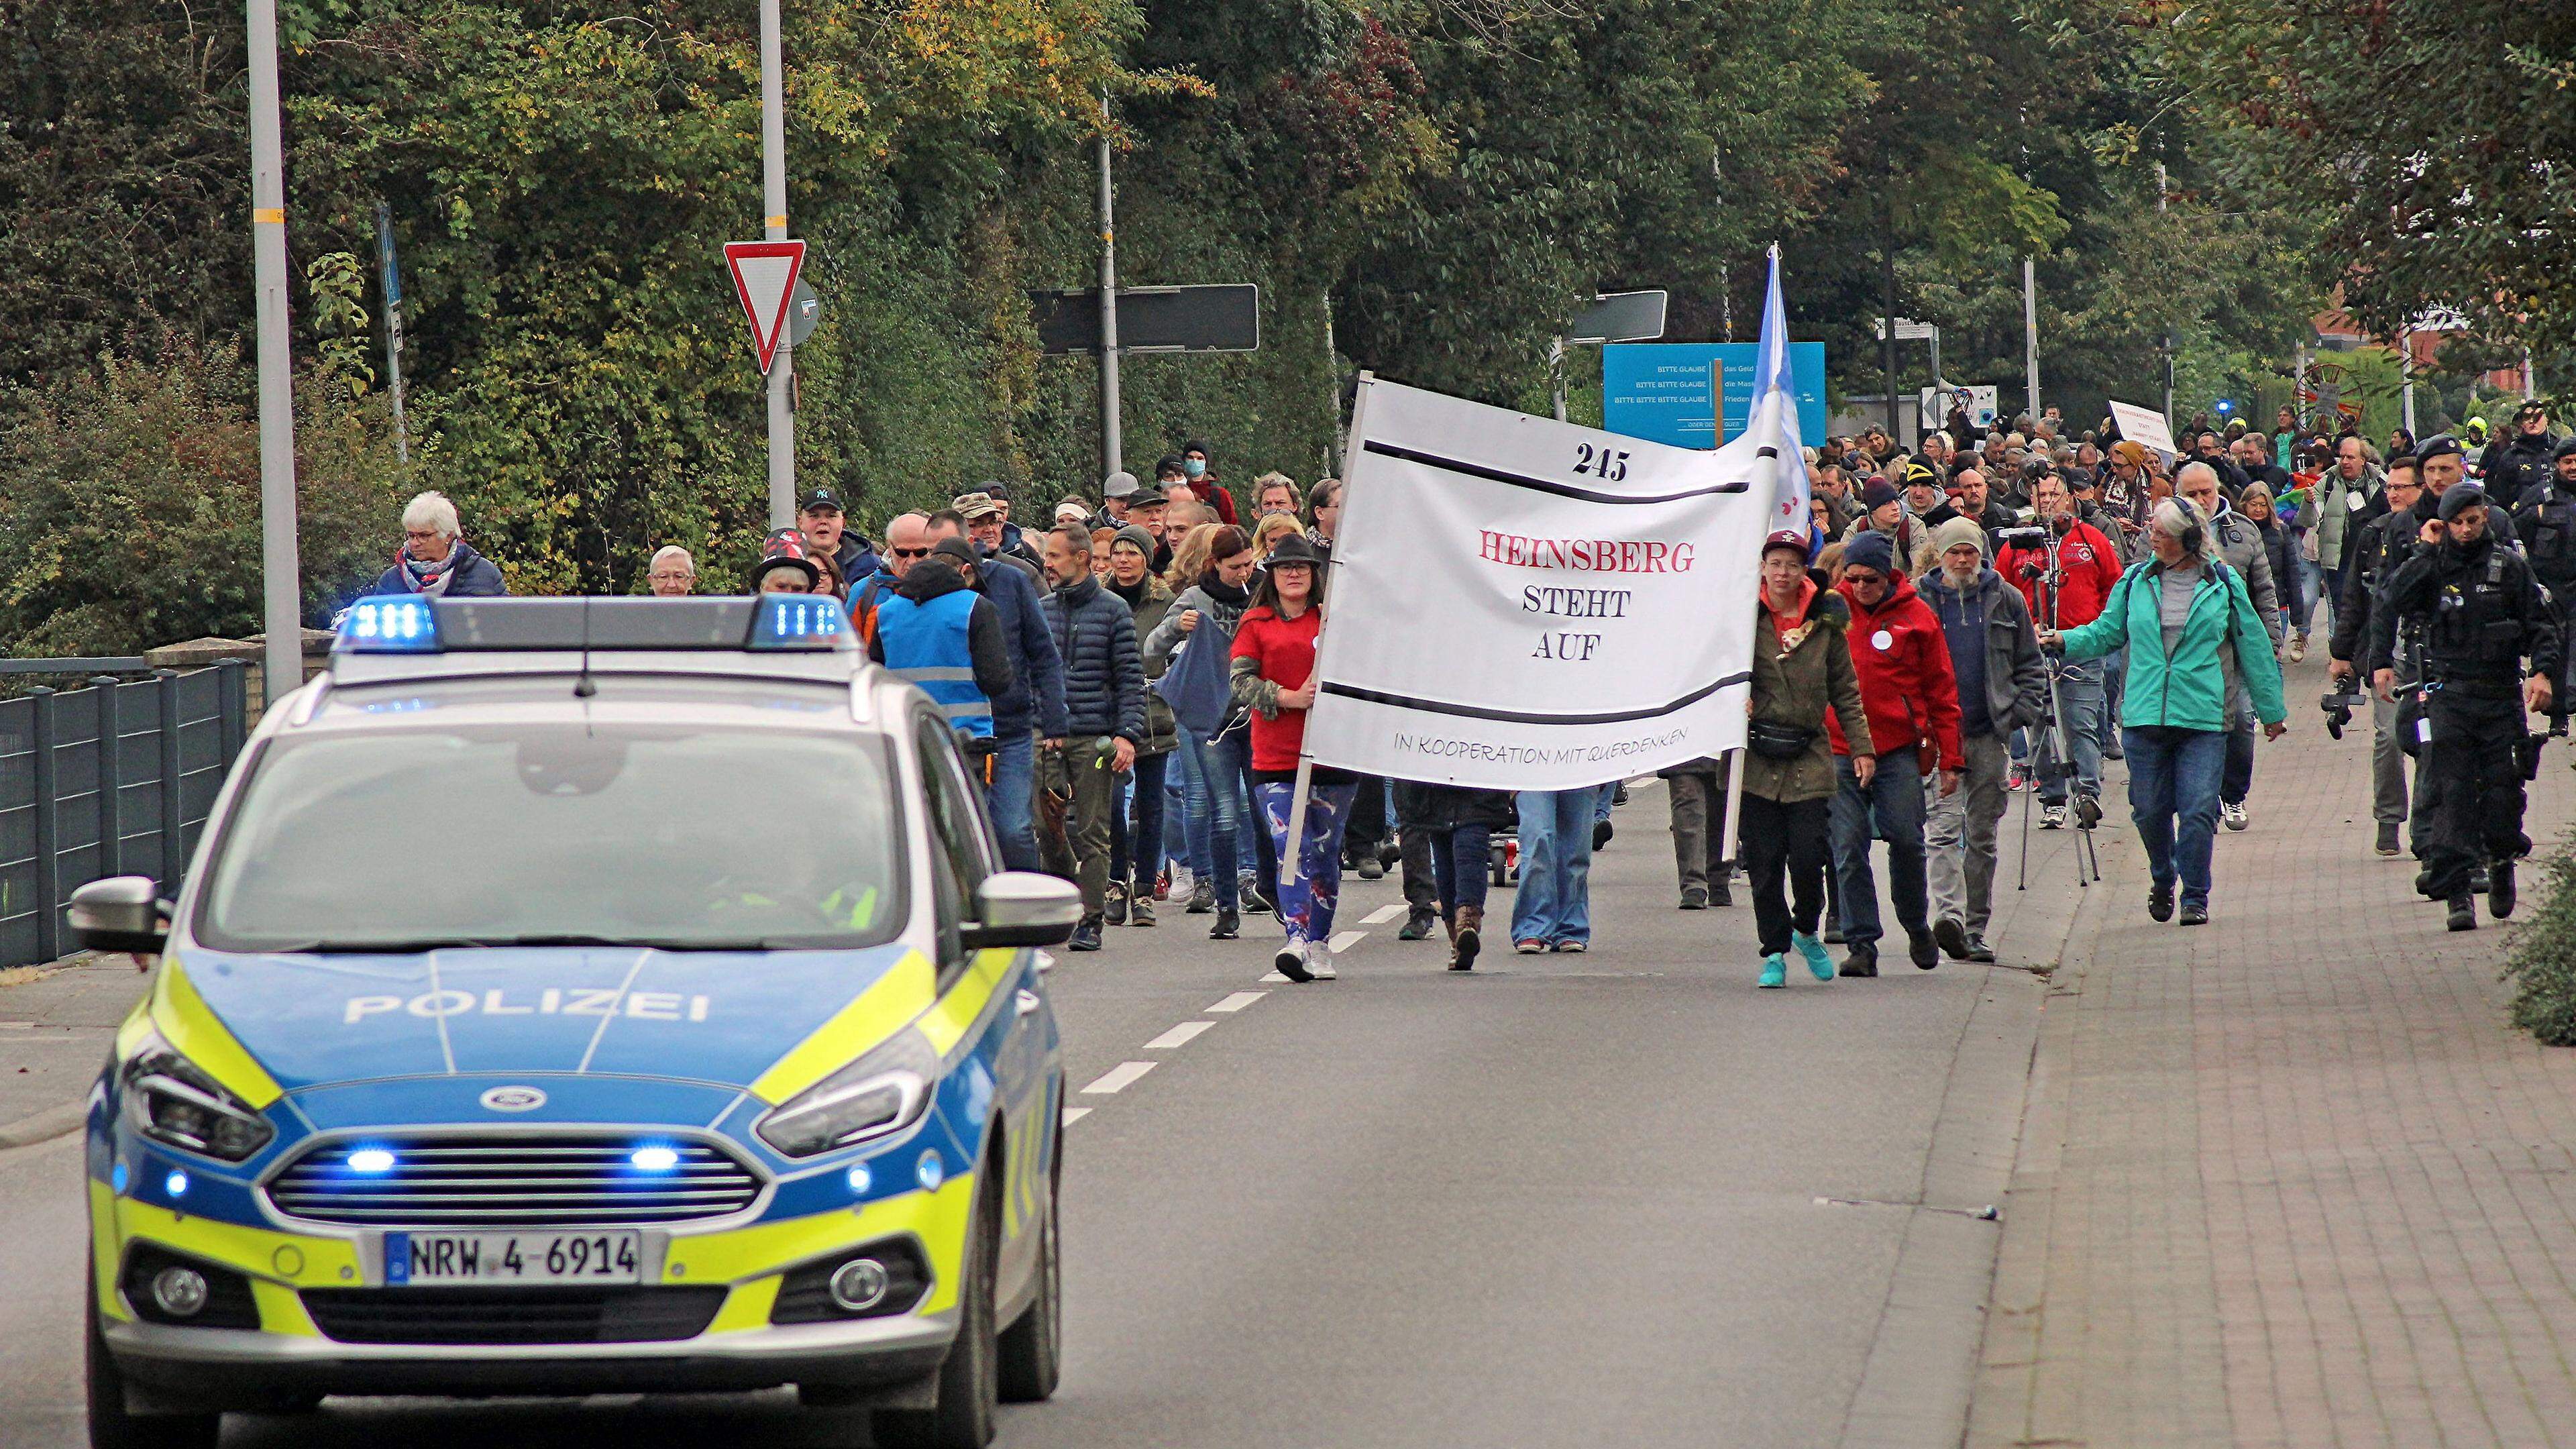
1991	611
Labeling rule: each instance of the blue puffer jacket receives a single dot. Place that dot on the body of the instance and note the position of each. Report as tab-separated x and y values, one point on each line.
1104	675
1035	699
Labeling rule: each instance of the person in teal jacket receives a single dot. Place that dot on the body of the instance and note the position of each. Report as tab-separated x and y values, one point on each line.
2187	621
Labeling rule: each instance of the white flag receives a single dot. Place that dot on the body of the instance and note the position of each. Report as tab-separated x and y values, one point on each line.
1521	604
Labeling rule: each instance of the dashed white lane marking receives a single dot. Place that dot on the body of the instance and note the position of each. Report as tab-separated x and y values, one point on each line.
1345	940
1383	914
1241	999
1075	1114
1178	1036
1274	977
1118	1078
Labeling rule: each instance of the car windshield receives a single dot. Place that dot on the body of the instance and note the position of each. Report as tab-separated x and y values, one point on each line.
577	834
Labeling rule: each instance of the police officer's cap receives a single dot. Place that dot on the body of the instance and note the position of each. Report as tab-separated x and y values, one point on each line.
2459	497
2566	447
2436	446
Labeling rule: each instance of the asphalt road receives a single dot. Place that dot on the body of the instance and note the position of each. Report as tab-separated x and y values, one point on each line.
1615	1198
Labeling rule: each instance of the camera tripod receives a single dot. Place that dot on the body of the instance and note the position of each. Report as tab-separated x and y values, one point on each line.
2049	749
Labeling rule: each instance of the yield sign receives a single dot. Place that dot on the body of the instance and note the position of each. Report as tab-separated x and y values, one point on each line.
764	277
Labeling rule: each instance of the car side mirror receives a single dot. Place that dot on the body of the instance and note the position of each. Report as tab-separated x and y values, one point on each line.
120	913
1022	908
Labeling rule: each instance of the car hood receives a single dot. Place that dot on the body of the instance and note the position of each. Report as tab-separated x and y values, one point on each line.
720	1018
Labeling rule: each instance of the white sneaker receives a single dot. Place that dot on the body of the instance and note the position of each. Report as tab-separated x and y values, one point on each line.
2234	815
1184	880
1319	960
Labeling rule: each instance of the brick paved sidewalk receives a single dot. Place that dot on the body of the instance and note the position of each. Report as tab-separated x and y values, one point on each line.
2289	1179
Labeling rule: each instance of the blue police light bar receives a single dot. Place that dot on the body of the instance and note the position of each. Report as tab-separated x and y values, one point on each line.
767	622
798	621
400	624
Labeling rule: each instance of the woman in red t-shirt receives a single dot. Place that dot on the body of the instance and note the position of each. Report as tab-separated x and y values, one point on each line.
1273	674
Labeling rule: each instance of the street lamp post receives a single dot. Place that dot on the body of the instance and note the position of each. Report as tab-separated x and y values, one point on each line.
281	578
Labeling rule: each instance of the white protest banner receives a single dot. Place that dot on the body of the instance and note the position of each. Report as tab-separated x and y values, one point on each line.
1521	604
2145	427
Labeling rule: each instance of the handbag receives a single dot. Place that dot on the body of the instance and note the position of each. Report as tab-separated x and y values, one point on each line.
1775	741
1197	685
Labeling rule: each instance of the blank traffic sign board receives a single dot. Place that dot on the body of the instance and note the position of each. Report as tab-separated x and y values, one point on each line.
1224	318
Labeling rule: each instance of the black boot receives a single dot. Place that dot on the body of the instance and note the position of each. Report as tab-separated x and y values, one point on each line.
1229	926
1117	912
1417	926
1086	936
2464	912
2500	889
1861	960
1719	892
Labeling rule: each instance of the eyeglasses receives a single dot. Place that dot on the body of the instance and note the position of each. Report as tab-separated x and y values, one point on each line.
909	552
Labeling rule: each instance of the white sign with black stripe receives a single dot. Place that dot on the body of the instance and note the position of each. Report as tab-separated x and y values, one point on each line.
1518	603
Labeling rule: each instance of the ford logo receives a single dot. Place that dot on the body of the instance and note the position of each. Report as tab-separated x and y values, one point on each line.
514	1099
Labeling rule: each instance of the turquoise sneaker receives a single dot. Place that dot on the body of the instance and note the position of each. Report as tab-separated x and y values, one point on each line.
1814	951
1775	972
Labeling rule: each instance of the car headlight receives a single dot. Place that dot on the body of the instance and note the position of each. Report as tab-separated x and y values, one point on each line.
882	1092
171	1100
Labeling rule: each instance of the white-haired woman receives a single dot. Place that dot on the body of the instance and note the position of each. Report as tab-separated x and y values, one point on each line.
435	559
672	574
2179	613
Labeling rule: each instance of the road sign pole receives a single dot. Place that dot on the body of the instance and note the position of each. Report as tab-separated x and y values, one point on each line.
773	205
393	325
1556	374
281	578
1112	446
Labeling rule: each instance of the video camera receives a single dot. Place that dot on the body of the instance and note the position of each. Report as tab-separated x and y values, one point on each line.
2339	709
2026	536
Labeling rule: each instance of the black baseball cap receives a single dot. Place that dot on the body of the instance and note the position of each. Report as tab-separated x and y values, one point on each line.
817	499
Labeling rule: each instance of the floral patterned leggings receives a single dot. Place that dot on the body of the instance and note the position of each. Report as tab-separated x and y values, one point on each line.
1306	908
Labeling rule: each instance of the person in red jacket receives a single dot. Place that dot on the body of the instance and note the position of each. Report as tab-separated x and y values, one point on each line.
2088	564
1912	701
1272	671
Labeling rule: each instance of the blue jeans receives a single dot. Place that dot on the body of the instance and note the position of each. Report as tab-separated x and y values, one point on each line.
1554	902
1234	772
1013	800
2079	690
1461	862
2236	779
1890	808
2173	796
1306	908
1136	826
1215	821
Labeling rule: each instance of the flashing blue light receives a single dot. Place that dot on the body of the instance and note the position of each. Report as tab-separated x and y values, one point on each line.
653	1159
116	1178
860	1178
176	1184
931	1172
371	1160
798	621
398	625
2225	407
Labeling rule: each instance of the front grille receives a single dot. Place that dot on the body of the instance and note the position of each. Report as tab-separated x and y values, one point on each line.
512	1315
512	1182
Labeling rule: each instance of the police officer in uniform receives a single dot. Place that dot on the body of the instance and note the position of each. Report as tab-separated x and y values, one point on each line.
2376	550
2545	520
2486	614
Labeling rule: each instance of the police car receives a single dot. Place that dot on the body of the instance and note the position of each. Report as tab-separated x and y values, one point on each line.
581	996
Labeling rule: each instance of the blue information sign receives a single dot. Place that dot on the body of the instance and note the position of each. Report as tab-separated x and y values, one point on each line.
1659	391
